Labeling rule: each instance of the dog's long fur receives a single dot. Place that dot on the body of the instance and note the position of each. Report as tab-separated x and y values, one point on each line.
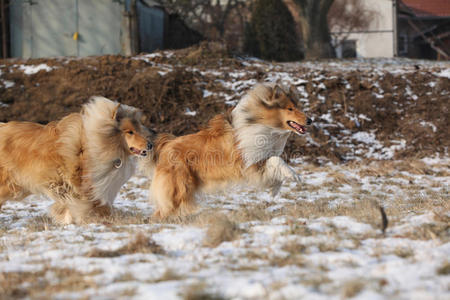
245	146
80	161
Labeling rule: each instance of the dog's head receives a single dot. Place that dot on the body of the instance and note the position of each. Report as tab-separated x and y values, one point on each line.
277	108
138	139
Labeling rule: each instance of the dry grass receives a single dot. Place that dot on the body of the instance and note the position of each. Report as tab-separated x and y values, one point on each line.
403	252
316	281
198	292
140	244
255	212
15	285
120	218
40	223
168	275
387	168
352	288
221	229
444	269
366	211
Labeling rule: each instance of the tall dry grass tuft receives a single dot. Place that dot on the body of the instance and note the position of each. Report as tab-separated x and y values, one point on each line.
140	244
352	288
220	230
197	291
444	269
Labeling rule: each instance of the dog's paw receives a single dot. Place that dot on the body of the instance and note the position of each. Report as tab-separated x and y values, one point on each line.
275	188
291	174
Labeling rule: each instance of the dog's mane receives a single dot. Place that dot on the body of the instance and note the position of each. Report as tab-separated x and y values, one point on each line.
256	141
104	145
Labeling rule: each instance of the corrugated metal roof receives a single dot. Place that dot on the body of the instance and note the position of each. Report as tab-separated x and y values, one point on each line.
429	8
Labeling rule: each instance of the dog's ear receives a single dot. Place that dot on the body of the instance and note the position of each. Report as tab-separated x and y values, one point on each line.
273	96
277	92
115	113
143	118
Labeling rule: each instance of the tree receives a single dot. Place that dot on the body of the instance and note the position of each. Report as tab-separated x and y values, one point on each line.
311	15
209	17
347	16
271	32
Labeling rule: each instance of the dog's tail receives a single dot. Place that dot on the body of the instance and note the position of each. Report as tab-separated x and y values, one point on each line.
148	163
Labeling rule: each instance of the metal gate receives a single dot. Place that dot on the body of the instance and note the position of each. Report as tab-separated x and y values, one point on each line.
42	28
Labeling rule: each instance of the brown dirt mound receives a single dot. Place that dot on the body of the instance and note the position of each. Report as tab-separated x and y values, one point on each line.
165	86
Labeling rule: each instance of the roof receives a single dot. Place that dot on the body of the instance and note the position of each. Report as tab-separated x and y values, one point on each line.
427	8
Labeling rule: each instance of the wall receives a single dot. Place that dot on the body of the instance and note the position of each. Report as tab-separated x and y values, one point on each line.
378	39
45	28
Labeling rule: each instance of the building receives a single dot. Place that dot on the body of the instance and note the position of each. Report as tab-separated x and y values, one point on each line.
375	39
408	28
424	29
49	28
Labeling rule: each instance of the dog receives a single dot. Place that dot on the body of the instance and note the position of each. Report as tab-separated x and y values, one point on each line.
242	147
80	161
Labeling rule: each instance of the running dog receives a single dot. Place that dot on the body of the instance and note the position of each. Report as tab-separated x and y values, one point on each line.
244	146
80	161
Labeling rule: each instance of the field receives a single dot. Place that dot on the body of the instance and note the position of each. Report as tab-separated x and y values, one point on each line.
379	139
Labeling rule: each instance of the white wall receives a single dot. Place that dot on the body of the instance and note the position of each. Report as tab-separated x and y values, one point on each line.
378	39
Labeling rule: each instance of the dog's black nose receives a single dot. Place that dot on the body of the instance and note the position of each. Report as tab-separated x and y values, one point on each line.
308	121
149	146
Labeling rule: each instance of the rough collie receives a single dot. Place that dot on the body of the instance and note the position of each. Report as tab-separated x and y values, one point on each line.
244	146
80	161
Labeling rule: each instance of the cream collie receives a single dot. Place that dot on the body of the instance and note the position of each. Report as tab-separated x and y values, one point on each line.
80	161
244	146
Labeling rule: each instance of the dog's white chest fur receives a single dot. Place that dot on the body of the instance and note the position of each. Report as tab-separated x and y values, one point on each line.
106	176
259	142
107	186
256	141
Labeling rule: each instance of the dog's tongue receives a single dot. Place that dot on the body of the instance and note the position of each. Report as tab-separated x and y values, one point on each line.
298	127
135	151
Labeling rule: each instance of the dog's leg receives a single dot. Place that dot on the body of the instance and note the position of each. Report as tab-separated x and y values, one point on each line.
5	194
11	192
60	213
276	171
81	211
173	191
161	191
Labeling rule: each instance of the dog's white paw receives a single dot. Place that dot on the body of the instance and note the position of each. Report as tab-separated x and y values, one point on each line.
275	188
291	174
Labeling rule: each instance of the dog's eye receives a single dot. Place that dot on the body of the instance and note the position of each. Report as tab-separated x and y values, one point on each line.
130	132
290	109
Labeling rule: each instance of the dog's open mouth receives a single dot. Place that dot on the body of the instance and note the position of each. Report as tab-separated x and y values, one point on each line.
138	152
297	127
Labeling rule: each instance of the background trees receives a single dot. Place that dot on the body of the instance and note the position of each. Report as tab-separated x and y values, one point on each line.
275	29
271	32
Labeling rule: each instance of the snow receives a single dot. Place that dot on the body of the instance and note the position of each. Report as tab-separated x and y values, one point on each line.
8	84
365	137
428	124
188	112
444	73
207	93
339	250
32	69
278	253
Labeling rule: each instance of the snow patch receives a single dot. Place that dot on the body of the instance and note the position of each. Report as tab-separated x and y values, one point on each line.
31	69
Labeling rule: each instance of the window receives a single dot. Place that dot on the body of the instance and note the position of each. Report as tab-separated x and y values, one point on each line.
348	49
403	44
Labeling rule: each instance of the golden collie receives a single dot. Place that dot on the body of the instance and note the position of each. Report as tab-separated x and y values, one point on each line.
80	161
244	146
